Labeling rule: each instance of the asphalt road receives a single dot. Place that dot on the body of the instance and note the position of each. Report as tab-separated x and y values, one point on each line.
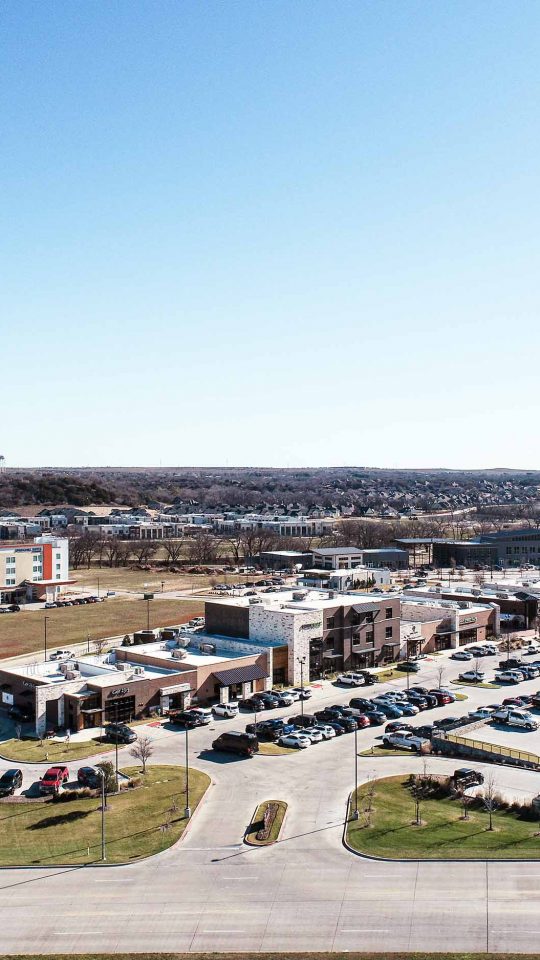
212	893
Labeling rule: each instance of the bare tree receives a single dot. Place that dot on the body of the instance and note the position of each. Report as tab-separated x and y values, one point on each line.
490	798
440	674
142	751
173	550
144	550
100	645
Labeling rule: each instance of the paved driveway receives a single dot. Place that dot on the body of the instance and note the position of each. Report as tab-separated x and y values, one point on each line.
211	893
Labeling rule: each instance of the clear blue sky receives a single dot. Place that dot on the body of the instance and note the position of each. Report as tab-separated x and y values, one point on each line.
267	232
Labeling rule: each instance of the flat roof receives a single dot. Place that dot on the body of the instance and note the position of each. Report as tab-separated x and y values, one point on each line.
336	551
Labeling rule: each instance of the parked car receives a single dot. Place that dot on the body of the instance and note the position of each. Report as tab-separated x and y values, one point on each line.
360	703
10	781
515	718
298	741
89	777
304	720
119	733
447	723
509	676
530	671
304	693
442	696
511	663
225	710
425	730
351	680
394	725
314	734
389	709
245	744
371	678
483	713
186	719
327	731
204	715
461	655
62	655
375	717
466	777
472	676
283	698
418	701
53	780
404	741
338	727
266	700
252	704
409	666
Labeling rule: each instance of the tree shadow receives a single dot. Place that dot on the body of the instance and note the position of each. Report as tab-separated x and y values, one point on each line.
60	819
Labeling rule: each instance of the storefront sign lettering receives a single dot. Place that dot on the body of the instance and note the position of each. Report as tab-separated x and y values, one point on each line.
121	692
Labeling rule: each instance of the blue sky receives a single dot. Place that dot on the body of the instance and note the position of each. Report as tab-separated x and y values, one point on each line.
266	232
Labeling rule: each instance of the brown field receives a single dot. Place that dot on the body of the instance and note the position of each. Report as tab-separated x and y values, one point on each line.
126	578
23	632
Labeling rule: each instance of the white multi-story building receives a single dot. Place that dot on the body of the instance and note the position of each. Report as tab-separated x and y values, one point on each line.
35	570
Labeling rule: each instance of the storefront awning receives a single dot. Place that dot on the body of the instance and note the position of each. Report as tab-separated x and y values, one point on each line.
240	675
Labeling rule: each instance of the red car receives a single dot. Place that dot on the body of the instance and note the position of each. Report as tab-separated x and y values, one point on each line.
54	779
361	721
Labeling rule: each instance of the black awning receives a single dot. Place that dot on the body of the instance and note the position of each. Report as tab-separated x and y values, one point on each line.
240	675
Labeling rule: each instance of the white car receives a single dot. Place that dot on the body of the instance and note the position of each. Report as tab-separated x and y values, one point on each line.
327	732
472	676
515	718
295	694
62	655
204	715
304	693
316	736
225	709
531	650
351	679
509	676
296	740
461	655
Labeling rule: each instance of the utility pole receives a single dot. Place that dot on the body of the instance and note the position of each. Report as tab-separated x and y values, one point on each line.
103	850
355	814
301	661
45	636
187	810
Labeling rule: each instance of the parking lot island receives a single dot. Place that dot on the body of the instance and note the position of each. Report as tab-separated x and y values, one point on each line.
139	821
404	818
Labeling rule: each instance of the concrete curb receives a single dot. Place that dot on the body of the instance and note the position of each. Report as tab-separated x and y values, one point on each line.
271	843
419	860
99	864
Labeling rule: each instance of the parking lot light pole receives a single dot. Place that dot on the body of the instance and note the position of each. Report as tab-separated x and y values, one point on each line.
45	637
187	809
301	661
355	813
103	850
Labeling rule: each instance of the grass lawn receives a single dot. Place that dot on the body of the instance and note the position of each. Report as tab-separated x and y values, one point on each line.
139	822
274	750
491	685
23	632
386	752
256	823
443	833
51	751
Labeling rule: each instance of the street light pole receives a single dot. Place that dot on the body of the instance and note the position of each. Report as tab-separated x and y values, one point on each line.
148	614
301	661
45	636
355	814
103	851
98	586
187	810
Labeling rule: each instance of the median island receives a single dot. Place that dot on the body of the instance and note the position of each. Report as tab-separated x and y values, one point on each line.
140	821
421	817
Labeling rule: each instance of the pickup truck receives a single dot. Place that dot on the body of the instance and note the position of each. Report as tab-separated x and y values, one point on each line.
515	718
54	779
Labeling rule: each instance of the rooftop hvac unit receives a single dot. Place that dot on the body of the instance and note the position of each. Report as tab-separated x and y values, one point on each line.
73	674
208	648
179	654
63	668
463	605
299	595
139	671
503	596
121	666
254	600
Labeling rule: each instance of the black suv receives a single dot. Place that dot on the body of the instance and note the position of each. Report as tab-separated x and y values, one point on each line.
10	781
185	719
245	744
119	733
467	777
304	720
